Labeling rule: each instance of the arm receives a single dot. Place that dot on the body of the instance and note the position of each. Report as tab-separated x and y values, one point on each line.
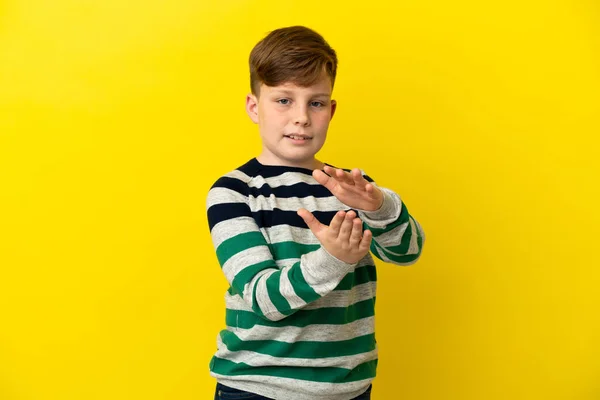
272	292
397	237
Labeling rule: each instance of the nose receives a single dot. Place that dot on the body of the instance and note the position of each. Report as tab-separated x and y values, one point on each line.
301	116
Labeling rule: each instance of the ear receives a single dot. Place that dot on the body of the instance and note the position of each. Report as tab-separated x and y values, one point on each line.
252	107
333	108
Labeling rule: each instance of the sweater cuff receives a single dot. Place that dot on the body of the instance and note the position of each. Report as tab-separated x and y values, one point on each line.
386	214
323	271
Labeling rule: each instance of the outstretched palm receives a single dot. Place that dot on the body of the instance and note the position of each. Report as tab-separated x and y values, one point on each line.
352	188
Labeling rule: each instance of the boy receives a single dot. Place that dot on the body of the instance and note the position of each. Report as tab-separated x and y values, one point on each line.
292	236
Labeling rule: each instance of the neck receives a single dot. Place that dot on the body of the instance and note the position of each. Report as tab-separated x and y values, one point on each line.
308	164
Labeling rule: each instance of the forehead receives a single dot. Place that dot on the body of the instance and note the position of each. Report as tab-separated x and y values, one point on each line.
321	87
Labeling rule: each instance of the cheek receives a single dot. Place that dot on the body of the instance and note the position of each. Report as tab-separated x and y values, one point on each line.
271	117
322	118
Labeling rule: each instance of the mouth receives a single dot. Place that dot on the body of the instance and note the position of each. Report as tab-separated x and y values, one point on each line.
298	138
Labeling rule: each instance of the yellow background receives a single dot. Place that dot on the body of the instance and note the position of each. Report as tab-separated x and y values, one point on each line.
117	116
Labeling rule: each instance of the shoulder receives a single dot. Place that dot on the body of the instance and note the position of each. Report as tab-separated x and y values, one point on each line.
237	179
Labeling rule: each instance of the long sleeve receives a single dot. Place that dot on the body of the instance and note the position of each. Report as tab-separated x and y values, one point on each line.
397	237
273	292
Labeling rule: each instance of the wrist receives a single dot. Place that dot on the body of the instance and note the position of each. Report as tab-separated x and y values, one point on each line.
388	212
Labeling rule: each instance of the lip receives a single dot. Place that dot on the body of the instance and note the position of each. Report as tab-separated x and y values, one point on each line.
296	134
299	141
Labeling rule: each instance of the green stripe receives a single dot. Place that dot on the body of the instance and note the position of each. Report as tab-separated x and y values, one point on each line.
402	218
275	295
323	374
238	243
255	305
364	274
244	276
301	287
302	318
404	245
301	349
285	250
397	258
374	250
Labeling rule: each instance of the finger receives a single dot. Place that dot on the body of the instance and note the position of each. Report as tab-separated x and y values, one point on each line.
371	190
313	223
336	223
346	227
375	193
356	234
338	174
343	176
329	170
323	178
365	243
359	180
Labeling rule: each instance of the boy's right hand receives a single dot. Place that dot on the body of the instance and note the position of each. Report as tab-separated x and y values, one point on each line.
343	238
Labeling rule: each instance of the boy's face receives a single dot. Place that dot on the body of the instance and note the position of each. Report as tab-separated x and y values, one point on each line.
287	110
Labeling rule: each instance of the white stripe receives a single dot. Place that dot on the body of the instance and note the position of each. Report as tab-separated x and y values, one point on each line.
248	299
413	247
316	332
392	237
287	233
237	174
221	195
235	302
367	260
336	298
232	227
245	258
285	179
261	360
384	258
311	203
414	244
285	262
345	298
390	211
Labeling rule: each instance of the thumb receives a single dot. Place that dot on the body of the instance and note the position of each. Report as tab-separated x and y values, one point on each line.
310	220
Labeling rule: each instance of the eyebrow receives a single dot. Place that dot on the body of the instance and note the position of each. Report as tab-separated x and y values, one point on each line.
284	91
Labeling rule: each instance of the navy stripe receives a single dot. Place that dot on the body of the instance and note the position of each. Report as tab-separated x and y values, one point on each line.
234	184
253	168
265	218
268	219
368	178
297	190
226	211
300	189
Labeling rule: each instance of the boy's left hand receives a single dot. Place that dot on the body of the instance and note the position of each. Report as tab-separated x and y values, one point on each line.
352	189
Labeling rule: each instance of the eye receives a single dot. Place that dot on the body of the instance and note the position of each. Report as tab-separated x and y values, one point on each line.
284	101
317	104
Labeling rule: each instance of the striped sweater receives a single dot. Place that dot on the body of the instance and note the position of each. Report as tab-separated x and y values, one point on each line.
299	322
